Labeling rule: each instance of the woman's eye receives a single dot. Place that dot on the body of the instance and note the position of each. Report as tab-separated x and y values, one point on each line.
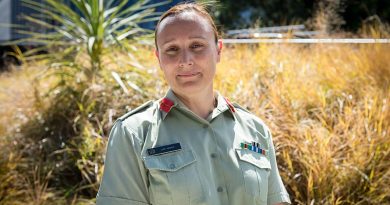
171	50
196	46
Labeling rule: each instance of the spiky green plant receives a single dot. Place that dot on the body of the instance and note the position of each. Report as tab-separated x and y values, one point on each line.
85	26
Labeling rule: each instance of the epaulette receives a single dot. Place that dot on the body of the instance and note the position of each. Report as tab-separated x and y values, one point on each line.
136	110
241	108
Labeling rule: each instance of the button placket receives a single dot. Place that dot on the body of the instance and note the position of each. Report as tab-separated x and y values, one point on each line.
219	154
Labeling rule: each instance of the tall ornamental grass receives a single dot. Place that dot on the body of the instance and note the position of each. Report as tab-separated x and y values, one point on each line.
328	109
327	106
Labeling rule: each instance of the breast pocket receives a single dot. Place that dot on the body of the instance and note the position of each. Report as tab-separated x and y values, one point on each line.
255	168
174	178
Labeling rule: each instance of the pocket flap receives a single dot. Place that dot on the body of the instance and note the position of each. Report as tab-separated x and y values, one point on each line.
170	162
254	158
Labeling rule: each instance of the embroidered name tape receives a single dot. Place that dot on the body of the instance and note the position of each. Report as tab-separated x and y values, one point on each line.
164	149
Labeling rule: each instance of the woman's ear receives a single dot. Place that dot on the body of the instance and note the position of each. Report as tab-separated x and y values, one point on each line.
219	50
220	45
156	53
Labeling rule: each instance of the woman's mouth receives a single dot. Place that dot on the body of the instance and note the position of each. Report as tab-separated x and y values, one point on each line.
188	75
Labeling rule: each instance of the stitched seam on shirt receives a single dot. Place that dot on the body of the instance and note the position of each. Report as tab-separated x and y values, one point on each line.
136	137
255	120
202	185
132	132
279	197
255	129
115	197
277	194
170	194
243	177
258	181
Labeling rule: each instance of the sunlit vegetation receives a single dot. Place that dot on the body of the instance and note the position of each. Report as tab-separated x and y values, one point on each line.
327	106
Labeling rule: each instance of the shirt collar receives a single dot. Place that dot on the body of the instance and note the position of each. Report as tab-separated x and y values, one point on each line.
223	104
166	104
170	101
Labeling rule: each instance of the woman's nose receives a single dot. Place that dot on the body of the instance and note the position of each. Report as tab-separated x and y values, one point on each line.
186	59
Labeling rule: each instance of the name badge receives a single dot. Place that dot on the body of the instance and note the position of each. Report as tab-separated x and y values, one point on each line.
164	149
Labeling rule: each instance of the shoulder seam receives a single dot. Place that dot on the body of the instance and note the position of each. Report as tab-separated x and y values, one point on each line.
136	110
241	108
255	118
123	126
133	133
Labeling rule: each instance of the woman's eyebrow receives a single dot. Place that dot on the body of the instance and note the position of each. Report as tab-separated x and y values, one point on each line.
191	37
168	41
198	37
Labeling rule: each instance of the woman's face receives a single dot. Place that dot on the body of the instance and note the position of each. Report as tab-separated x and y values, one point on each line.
187	53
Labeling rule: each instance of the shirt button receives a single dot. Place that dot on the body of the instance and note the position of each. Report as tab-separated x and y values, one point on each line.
220	189
172	166
213	155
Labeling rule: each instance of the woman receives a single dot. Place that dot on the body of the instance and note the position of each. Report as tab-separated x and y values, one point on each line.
192	146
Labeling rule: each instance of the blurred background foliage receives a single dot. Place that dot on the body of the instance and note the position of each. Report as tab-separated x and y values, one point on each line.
326	104
349	15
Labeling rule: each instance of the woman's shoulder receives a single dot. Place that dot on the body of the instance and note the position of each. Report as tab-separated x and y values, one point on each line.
138	110
245	113
249	118
139	117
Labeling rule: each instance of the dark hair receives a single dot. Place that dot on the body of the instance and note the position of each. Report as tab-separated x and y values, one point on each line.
187	7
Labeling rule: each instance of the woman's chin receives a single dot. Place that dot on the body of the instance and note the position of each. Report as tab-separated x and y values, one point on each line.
190	88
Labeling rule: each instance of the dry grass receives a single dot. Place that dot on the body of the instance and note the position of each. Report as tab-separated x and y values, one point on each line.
327	106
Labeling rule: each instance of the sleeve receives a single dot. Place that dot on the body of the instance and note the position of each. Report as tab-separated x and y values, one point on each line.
276	191
124	179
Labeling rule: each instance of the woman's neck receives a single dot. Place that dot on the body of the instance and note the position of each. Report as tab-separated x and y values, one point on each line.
201	104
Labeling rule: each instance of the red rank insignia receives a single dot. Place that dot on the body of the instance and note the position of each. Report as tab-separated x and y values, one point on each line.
166	105
231	107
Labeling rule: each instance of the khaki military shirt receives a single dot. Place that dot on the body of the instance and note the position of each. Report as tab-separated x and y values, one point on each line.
163	154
